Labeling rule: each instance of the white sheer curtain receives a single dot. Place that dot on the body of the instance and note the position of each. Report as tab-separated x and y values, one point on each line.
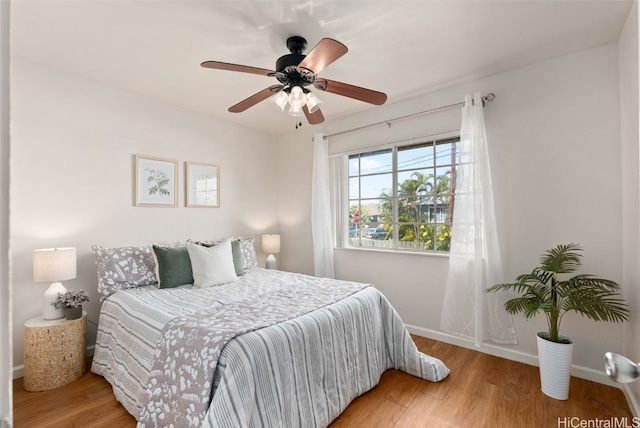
322	218
474	260
339	187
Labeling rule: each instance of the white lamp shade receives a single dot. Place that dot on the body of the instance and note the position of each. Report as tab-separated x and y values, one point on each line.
54	264
271	244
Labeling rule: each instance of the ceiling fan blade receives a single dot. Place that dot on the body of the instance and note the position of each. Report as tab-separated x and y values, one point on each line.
323	54
313	118
351	91
236	67
255	98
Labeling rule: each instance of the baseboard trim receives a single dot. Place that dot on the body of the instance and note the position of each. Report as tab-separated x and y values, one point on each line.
503	352
18	371
631	400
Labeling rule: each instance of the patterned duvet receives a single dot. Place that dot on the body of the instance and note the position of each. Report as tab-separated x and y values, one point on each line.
272	349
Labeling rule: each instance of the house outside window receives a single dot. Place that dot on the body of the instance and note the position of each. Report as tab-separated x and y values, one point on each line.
402	197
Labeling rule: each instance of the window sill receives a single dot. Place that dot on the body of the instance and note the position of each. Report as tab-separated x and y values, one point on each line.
395	252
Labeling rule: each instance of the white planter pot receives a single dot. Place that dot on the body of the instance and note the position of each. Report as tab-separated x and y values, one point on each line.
555	365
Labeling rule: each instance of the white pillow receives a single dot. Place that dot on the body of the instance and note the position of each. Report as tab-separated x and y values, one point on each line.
212	265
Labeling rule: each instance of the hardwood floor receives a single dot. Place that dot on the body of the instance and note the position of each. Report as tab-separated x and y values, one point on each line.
481	391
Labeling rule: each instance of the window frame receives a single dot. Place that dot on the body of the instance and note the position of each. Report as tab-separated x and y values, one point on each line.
395	171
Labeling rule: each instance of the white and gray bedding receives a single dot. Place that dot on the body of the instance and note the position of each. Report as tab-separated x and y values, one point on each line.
269	349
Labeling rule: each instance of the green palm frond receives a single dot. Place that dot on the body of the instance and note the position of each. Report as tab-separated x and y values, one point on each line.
522	304
562	259
586	281
598	305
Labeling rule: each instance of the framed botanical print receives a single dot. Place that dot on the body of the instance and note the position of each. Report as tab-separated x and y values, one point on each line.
203	185
156	182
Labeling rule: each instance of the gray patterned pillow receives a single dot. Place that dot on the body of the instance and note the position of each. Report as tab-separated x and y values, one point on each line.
122	268
248	251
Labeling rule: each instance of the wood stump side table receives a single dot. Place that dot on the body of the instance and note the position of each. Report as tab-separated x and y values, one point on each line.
54	352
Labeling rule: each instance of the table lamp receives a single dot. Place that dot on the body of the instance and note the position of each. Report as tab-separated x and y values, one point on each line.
620	369
53	265
271	246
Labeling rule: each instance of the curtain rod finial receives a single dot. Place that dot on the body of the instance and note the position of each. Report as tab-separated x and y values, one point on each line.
489	97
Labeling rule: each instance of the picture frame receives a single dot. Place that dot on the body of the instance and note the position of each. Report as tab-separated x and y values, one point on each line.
156	182
202	185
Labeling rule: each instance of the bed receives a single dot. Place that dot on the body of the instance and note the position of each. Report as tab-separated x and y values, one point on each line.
269	348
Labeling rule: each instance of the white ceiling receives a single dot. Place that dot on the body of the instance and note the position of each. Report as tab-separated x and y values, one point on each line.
154	48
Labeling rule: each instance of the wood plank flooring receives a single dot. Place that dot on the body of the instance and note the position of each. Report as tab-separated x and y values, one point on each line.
481	391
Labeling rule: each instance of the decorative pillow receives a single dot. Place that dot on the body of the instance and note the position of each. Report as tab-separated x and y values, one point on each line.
238	262
174	266
248	251
212	265
124	267
236	252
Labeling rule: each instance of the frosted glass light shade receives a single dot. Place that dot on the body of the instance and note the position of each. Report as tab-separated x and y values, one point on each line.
271	244
280	99
295	111
54	264
297	98
313	102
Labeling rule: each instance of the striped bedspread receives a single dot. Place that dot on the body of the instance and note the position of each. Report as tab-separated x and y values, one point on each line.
303	371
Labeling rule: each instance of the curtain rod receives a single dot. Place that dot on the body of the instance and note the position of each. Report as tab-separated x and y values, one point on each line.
486	99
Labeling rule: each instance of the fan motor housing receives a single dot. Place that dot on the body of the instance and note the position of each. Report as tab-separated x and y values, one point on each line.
287	65
296	46
290	60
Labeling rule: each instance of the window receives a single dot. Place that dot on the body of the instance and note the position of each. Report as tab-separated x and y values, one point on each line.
402	198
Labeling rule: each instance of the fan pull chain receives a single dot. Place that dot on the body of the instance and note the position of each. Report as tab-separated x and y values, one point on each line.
298	125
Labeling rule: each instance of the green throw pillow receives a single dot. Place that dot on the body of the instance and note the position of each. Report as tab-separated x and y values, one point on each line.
174	266
237	257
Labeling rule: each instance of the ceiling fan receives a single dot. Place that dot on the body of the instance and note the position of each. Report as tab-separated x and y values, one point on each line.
295	71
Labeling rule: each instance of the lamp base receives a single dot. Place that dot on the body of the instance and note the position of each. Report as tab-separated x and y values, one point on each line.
49	312
271	262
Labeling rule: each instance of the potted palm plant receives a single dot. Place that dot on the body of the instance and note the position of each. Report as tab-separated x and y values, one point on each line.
547	289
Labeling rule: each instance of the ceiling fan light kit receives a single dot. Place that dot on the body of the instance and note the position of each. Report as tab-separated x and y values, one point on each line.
295	71
296	98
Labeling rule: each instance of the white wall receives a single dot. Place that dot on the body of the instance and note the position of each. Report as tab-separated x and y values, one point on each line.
73	144
554	135
6	407
628	47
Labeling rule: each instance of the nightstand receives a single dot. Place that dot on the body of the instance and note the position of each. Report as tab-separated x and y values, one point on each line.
54	352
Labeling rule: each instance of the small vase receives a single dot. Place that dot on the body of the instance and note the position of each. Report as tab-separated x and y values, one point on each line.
73	313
